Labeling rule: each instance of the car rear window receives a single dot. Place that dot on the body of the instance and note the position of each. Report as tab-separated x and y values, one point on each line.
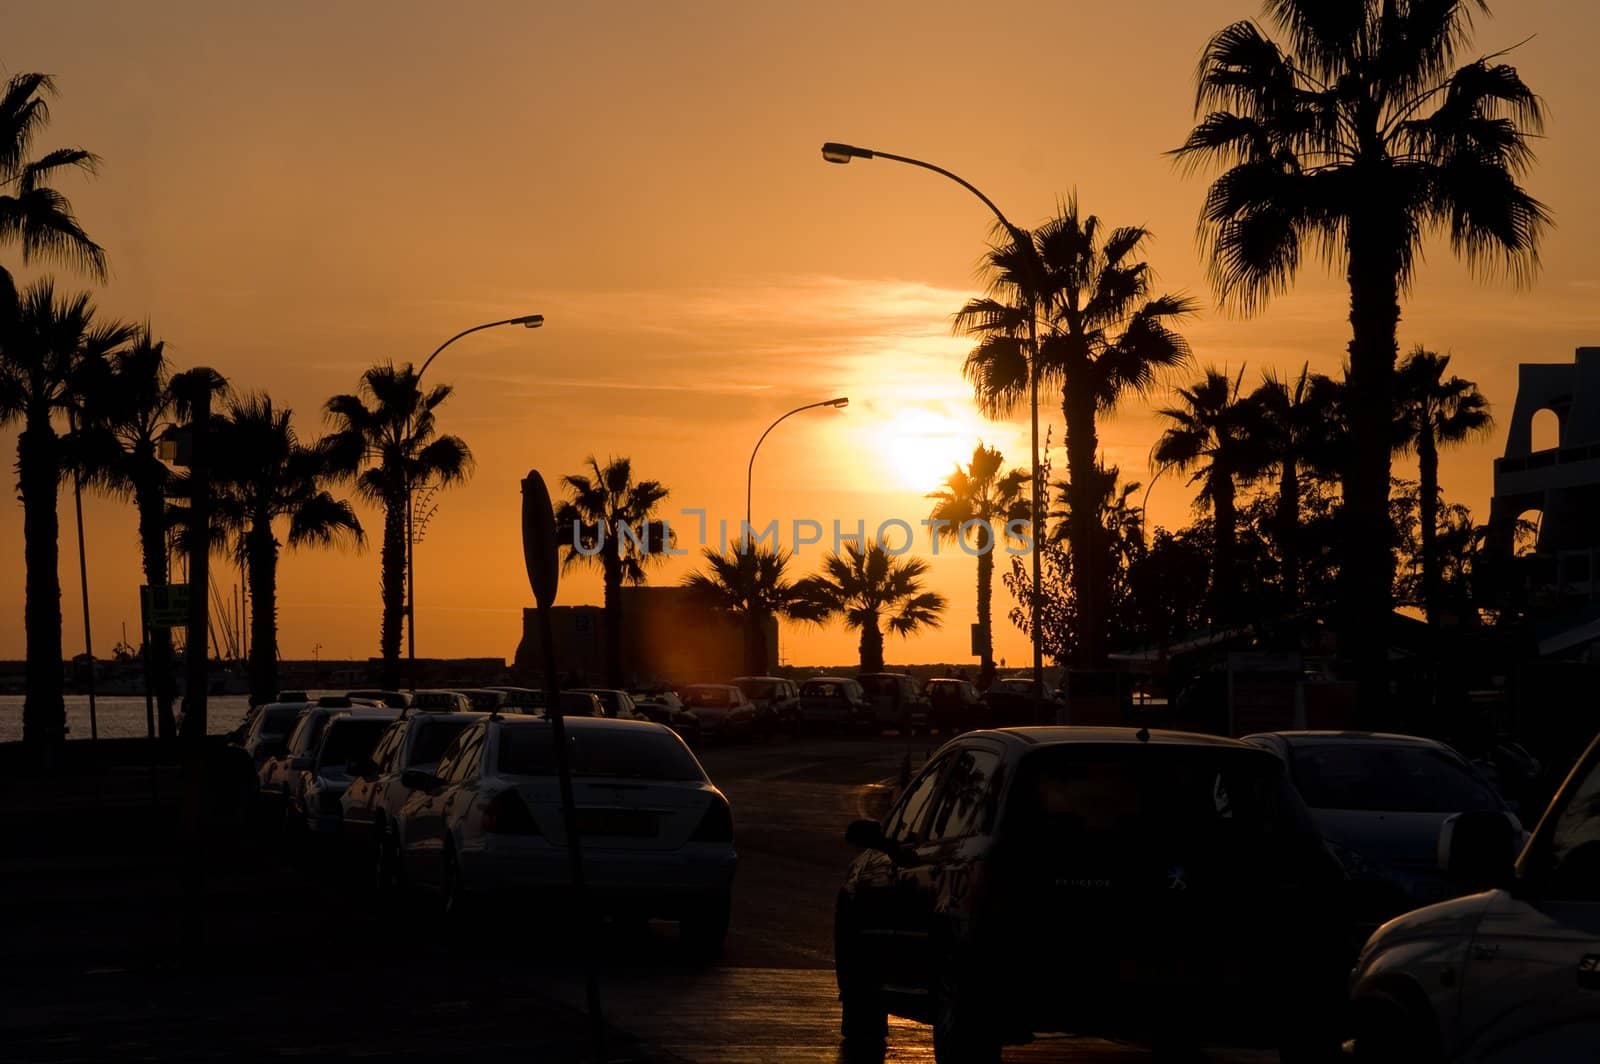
759	688
350	740
821	689
1393	778
639	752
434	737
880	685
712	697
277	722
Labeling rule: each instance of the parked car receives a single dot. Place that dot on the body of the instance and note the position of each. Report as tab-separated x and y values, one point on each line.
777	700
1145	885
441	701
1010	702
278	775
573	703
719	709
1508	974
834	702
657	835
618	705
269	726
1380	801
520	699
665	707
955	705
315	794
392	699
895	700
377	792
485	699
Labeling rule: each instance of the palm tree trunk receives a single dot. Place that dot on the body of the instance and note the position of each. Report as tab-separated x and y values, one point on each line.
1088	571
44	713
755	661
613	615
152	509
1367	572
1428	517
393	563
985	607
261	556
1225	519
871	645
1289	531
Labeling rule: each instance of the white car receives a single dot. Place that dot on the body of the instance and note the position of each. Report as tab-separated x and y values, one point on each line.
1508	975
376	793
278	775
1380	801
315	792
719	708
657	836
267	730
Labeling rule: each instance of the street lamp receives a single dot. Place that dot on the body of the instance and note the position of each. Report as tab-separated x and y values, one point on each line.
747	556
834	152
528	321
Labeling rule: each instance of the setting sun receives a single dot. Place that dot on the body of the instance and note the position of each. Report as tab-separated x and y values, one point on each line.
921	447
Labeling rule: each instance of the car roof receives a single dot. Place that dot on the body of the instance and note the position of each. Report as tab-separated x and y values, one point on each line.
736	679
372	713
947	679
578	723
1070	734
1350	738
719	686
829	679
442	714
877	675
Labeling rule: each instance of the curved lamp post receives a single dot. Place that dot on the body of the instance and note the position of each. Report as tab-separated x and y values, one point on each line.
747	558
842	154
529	321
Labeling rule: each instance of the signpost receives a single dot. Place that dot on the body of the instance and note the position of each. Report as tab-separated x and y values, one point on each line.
165	606
539	557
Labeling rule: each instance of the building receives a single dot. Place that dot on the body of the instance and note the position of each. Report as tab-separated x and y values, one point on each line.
1560	486
668	636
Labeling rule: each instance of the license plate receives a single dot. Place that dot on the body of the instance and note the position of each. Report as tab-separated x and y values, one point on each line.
617	822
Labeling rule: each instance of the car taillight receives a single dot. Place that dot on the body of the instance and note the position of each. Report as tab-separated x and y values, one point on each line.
506	814
716	825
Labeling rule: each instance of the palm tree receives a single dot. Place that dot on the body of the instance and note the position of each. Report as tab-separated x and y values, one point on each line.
610	522
966	511
49	345
385	436
869	588
1357	141
751	585
32	212
1434	411
1210	434
261	472
131	413
1294	427
1101	334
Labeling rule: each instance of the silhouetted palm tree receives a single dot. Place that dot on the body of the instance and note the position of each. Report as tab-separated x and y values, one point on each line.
32	212
753	586
869	588
386	437
975	505
131	412
49	345
610	522
262	472
1101	335
1293	432
1210	434
1434	411
1354	144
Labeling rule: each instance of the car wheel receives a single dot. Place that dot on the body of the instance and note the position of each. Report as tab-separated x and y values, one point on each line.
705	929
863	1018
1386	1032
964	1031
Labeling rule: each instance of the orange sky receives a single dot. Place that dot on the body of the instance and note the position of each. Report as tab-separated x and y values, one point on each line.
293	191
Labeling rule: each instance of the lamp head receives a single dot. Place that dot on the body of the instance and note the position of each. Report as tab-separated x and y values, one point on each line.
843	153
839	403
529	321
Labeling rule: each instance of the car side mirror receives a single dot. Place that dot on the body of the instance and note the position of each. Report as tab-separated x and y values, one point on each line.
418	780
1478	850
865	835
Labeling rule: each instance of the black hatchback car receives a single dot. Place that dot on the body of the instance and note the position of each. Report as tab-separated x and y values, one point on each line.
1155	886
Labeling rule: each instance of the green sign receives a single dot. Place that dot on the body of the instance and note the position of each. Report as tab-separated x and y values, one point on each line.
166	606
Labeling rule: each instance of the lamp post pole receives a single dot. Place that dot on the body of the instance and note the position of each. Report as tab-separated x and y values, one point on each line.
530	321
843	153
747	536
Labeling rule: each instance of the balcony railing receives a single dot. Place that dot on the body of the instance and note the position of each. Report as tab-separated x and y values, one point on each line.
1552	456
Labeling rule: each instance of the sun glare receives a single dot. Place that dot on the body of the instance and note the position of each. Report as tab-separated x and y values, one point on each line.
921	447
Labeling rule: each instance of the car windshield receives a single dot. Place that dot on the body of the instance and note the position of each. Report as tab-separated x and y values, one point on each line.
709	697
1387	777
432	738
638	752
351	740
821	689
759	688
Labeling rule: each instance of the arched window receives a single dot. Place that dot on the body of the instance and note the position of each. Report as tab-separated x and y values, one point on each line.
1546	430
